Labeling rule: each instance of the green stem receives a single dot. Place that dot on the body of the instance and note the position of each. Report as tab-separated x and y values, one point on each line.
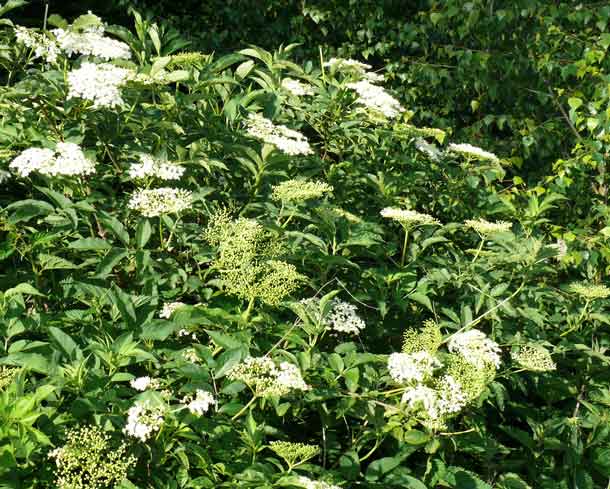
404	248
476	255
243	410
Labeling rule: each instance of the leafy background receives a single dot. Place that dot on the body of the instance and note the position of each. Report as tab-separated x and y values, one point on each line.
83	278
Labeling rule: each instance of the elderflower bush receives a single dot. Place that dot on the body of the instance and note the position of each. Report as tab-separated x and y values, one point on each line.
242	272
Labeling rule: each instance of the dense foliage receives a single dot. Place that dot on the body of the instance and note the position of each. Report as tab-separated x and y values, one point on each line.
240	270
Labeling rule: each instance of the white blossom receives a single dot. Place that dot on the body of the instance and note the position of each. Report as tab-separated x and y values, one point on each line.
265	379
343	318
308	483
144	383
430	150
407	217
150	166
486	228
452	397
289	376
91	42
347	64
159	201
99	83
422	397
297	87
472	152
43	47
286	140
475	347
200	403
143	420
376	98
67	159
169	308
409	367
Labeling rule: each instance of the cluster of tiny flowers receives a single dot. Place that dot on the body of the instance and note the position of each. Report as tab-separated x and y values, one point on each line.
152	167
294	453
99	83
169	308
143	419
347	64
408	217
428	339
200	403
430	150
534	358
299	190
344	318
561	247
184	332
308	483
411	367
190	355
143	383
264	378
159	201
376	99
286	140
43	47
476	348
296	87
88	461
486	228
67	159
187	59
91	42
7	374
589	291
472	152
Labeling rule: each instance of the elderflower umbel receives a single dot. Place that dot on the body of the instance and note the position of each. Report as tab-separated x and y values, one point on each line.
422	397
534	358
200	403
169	308
475	347
99	83
408	217
296	87
472	152
153	167
143	419
430	150
485	228
408	367
294	453
308	483
452	397
589	291
143	383
286	140
347	64
265	379
43	47
7	374
89	461
299	190
67	159
91	42
428	339
158	201
376	98
343	318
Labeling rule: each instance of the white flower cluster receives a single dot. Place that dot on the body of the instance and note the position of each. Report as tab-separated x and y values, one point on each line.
376	99
144	383
99	83
437	404
265	379
308	483
143	419
286	140
430	150
43	47
486	228
589	291
411	367
296	87
472	152
67	159
150	166
476	348
408	217
344	318
299	190
347	64
200	403
158	201
91	42
169	308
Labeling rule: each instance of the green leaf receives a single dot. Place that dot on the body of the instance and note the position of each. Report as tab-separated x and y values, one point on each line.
143	233
65	342
24	210
89	244
51	262
416	437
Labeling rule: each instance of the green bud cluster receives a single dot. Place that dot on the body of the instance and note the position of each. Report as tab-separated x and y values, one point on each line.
429	339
